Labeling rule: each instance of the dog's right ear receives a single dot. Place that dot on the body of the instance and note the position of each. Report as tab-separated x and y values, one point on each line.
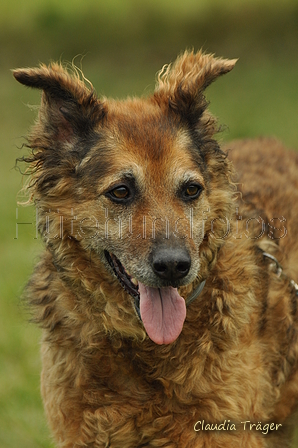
69	109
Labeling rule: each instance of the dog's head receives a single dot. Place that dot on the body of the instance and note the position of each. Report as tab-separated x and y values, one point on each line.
140	184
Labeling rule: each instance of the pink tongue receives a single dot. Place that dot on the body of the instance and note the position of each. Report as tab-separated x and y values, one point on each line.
163	313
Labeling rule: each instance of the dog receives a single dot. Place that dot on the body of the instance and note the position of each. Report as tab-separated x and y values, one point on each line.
167	290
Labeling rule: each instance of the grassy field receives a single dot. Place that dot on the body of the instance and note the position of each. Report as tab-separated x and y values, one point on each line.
124	45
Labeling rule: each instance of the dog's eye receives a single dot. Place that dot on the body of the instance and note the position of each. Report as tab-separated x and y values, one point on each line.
121	192
192	191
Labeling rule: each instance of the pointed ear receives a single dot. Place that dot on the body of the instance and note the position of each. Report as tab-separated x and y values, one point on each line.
69	110
180	86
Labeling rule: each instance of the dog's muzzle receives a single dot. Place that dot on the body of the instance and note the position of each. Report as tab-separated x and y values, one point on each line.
130	285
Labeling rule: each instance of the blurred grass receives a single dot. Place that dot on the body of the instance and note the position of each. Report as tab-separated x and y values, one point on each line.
125	43
135	32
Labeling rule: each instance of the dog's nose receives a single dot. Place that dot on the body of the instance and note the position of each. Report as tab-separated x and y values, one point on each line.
171	264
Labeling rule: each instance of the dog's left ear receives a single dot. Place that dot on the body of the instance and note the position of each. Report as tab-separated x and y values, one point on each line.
69	109
180	86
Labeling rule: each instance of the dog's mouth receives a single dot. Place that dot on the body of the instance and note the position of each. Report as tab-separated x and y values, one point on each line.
130	284
162	310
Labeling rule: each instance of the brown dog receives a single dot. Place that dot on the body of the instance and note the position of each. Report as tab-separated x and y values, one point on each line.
167	319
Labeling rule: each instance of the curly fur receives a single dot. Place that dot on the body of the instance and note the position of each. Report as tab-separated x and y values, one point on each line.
105	383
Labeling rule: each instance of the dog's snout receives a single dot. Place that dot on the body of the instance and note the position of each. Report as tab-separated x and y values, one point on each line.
171	264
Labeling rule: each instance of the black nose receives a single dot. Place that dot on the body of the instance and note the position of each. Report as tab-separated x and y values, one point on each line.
171	264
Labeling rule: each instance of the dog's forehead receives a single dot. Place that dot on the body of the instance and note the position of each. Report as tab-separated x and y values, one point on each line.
139	141
142	122
142	132
154	154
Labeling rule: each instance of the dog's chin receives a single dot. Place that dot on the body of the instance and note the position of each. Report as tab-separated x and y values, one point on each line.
161	309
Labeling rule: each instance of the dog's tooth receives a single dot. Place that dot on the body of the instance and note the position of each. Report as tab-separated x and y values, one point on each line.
134	281
127	272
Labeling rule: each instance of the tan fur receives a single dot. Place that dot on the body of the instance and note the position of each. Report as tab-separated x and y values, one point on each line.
105	383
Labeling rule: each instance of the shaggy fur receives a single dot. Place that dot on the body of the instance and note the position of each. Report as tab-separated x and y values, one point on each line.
140	189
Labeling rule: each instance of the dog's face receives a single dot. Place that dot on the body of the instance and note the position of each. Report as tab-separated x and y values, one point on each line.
141	184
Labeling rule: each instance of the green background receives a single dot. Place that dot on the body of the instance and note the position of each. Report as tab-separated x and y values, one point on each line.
121	44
